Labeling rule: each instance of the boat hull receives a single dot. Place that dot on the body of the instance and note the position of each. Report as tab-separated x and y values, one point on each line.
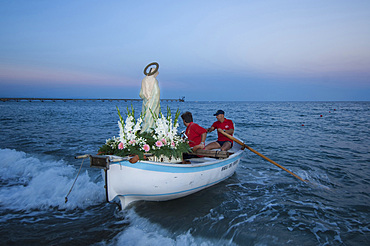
153	181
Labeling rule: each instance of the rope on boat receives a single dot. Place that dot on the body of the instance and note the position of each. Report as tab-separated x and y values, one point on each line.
66	198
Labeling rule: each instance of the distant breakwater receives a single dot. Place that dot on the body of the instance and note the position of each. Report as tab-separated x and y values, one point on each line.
31	99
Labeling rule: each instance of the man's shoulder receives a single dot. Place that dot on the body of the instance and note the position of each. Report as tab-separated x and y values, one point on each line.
195	125
228	120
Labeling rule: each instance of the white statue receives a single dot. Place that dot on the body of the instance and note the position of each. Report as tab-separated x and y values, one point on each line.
150	94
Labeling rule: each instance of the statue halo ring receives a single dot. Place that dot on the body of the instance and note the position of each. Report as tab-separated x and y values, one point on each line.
155	70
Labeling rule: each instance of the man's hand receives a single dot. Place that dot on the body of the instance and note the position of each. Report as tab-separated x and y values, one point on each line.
199	146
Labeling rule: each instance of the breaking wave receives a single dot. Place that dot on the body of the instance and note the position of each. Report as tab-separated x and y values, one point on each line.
40	183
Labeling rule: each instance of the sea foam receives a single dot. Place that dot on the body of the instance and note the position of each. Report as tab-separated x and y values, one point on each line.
30	183
142	232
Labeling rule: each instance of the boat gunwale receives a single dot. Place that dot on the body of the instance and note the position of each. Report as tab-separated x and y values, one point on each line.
167	164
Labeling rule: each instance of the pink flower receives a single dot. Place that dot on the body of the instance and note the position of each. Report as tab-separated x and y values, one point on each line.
131	142
164	141
120	145
158	144
146	147
173	144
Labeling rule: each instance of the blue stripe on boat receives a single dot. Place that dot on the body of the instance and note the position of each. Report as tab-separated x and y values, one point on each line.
177	169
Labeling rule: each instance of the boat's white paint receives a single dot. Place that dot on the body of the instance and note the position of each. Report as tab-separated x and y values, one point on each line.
153	181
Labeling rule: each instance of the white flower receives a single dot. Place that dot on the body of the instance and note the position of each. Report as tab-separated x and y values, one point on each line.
137	125
121	133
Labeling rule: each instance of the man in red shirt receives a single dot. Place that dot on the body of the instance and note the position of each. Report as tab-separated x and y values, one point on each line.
222	124
195	133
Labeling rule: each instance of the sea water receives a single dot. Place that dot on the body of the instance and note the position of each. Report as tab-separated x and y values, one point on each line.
326	143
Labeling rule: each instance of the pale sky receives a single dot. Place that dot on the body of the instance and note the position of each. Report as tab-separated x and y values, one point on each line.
207	50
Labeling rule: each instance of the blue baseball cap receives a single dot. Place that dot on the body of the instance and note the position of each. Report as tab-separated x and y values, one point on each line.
219	112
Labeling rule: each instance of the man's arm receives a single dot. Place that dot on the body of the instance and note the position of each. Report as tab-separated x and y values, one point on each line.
204	136
211	129
230	131
202	143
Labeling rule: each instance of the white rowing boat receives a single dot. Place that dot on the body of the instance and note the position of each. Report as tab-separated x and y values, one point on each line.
157	181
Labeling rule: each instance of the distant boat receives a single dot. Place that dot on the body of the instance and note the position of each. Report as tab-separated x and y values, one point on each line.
162	181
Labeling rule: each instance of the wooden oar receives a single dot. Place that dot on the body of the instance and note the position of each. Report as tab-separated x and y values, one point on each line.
264	157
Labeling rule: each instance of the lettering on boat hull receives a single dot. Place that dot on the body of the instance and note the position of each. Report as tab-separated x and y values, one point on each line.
229	165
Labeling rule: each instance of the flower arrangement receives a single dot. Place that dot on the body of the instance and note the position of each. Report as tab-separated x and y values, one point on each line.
162	141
